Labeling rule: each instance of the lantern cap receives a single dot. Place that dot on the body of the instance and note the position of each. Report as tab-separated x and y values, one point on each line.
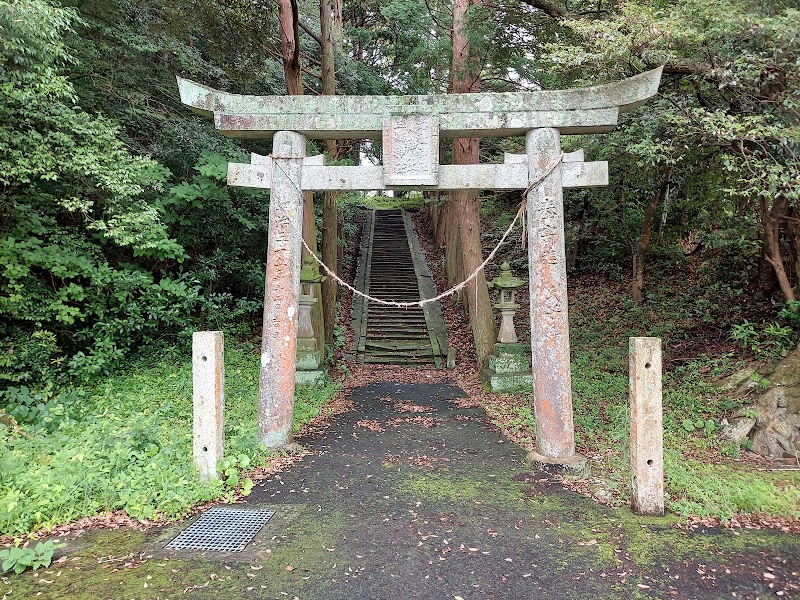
308	274
506	280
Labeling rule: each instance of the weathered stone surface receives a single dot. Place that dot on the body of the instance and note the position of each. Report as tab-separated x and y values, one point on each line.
305	325
507	334
434	319
584	110
208	391
309	355
510	363
737	379
738	430
522	159
771	420
647	443
542	116
511	176
552	381
776	431
575	465
507	382
411	151
279	342
509	369
501	349
316	377
366	125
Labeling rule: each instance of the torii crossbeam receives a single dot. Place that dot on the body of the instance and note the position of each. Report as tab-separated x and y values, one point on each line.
410	127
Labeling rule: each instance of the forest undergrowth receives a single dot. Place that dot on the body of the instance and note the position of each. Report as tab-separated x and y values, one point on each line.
122	447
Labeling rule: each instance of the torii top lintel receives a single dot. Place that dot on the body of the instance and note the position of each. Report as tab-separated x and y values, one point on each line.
574	111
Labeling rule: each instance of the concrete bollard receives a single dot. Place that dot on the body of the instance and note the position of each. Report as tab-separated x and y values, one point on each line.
647	436
208	384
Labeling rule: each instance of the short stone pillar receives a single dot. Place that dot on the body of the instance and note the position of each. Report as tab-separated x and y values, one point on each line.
510	366
208	391
647	436
309	354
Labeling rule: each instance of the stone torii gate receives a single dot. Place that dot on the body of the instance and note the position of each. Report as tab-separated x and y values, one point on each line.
410	127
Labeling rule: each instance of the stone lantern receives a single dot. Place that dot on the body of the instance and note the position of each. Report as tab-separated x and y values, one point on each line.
508	286
309	355
510	365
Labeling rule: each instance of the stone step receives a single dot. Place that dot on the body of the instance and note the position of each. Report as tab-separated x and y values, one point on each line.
383	360
393	335
404	334
397	345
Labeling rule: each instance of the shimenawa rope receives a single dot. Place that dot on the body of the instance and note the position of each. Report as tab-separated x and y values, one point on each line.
455	288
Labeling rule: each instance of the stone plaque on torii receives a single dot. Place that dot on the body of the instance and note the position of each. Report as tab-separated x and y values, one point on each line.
410	128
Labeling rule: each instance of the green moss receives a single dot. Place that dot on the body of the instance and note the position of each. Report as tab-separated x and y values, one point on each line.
446	486
129	564
412	200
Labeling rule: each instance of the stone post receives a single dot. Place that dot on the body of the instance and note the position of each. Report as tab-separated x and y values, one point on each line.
647	443
279	342
552	384
208	391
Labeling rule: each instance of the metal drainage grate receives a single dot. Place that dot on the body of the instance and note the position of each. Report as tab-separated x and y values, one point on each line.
222	529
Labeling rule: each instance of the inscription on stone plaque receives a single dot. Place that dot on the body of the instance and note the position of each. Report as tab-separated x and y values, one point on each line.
411	151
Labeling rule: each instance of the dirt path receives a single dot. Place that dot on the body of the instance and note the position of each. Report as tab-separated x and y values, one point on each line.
412	496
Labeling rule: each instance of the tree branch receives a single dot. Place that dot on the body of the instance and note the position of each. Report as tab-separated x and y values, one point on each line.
312	73
310	59
310	32
553	8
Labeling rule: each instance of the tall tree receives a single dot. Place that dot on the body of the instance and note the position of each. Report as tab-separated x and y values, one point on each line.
289	19
290	46
464	212
330	214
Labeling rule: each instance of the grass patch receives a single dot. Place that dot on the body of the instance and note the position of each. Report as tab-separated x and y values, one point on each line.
696	482
697	488
126	444
701	477
410	200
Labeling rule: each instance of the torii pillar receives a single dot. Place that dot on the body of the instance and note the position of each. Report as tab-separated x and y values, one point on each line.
410	126
547	266
281	291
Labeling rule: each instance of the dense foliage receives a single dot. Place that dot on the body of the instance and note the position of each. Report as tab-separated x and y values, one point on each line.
713	163
106	247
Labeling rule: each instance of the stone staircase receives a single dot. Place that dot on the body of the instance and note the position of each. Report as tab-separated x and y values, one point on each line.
391	268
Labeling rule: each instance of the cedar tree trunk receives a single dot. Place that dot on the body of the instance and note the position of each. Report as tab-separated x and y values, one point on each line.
466	151
330	217
292	72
